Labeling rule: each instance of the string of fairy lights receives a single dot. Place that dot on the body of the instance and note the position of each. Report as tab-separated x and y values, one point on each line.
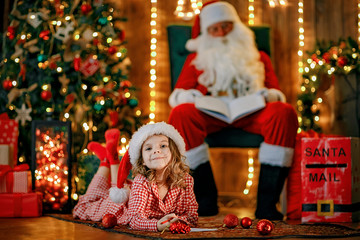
358	21
301	51
192	10
153	55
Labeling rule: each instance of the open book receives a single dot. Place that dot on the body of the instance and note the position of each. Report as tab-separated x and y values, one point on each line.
229	110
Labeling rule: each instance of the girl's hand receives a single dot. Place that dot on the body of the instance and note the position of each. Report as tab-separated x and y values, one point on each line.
165	221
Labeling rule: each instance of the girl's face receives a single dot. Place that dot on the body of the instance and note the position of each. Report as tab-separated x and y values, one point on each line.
156	152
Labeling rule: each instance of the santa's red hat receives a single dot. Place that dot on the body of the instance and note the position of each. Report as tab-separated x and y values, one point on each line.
211	12
120	194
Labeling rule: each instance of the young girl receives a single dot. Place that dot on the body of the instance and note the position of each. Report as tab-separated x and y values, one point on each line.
162	190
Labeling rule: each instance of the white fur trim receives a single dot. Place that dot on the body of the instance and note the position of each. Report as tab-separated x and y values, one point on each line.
148	130
179	96
192	45
275	155
119	195
198	156
217	12
275	95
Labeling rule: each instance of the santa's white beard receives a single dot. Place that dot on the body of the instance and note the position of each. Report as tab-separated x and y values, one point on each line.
230	64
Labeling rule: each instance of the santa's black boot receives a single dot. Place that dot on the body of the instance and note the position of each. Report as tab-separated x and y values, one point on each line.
205	190
271	182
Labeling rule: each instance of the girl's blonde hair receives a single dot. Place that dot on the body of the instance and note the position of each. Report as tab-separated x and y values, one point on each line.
174	173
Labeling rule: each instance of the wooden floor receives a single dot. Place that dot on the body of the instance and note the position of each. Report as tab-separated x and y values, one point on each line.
49	228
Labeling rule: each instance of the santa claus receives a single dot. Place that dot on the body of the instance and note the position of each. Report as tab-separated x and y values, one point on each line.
226	63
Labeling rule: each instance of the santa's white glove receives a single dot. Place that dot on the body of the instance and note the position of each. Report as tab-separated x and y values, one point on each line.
179	96
272	95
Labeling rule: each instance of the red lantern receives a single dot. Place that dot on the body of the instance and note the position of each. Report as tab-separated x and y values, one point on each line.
46	95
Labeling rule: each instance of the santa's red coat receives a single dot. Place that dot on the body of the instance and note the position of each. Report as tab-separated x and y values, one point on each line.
277	122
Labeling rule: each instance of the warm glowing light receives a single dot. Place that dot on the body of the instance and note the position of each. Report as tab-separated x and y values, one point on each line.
251	9
193	9
153	56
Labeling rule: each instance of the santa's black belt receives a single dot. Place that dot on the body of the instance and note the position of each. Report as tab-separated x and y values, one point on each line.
326	207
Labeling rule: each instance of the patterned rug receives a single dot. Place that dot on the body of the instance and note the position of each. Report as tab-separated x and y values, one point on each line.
281	230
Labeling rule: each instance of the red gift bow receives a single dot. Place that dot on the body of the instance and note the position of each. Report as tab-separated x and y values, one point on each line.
6	170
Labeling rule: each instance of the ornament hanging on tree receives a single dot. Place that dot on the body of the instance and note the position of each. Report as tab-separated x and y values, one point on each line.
85	8
88	34
90	66
64	84
77	62
133	102
7	84
34	19
121	35
112	50
264	226
10	32
23	114
44	35
63	33
46	95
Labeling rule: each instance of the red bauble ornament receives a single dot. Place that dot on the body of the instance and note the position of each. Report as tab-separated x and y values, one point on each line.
326	56
96	42
264	226
121	35
109	220
44	35
46	95
125	84
246	222
77	63
342	61
179	227
85	8
112	50
10	32
7	84
231	221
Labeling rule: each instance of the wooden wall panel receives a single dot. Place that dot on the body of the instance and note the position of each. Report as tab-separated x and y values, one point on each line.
323	20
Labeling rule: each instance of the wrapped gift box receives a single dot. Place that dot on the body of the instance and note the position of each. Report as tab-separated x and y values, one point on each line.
17	180
21	204
9	136
330	175
5	155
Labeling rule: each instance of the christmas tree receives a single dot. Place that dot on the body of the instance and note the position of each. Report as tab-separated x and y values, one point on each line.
66	60
327	60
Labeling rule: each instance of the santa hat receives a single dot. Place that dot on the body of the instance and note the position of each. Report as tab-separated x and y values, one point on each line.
119	194
211	12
